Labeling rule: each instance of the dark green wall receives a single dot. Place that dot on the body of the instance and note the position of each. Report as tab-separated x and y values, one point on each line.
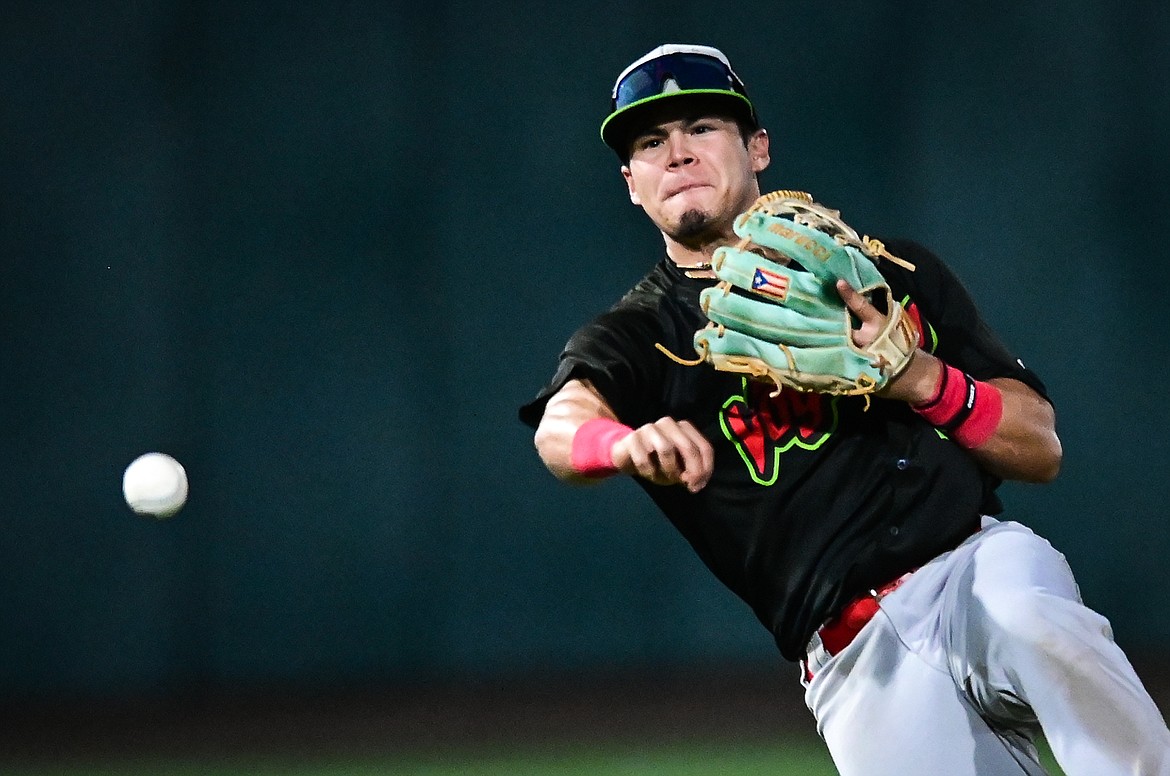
321	255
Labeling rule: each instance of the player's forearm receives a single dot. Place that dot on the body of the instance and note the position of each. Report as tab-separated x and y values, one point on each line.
1025	445
566	412
1015	441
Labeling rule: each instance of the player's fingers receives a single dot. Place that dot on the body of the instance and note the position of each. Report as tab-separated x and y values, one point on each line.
701	475
870	317
693	451
687	454
671	463
630	454
651	456
857	304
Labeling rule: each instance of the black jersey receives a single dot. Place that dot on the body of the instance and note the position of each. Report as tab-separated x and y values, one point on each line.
814	499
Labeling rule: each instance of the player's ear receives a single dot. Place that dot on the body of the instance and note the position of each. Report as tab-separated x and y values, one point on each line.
637	200
758	150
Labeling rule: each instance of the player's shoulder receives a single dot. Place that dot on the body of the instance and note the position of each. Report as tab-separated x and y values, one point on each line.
640	310
651	290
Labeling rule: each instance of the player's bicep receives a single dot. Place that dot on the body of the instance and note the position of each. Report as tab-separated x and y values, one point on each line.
575	403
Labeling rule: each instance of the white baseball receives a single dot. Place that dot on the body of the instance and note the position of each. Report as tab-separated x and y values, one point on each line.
155	484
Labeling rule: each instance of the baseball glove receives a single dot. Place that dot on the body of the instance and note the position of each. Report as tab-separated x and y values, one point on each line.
776	313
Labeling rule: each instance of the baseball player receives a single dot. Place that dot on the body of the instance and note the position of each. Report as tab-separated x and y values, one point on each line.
837	468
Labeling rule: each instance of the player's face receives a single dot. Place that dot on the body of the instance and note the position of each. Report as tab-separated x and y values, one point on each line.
693	176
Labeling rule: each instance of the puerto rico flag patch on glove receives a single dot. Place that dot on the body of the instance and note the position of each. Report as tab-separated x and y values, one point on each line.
770	284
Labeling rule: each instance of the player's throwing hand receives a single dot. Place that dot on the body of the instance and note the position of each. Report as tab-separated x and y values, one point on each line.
666	452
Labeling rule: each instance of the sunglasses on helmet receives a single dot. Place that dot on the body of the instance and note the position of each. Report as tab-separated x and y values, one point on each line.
674	73
669	72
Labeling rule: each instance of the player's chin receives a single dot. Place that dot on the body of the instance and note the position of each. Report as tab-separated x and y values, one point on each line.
693	225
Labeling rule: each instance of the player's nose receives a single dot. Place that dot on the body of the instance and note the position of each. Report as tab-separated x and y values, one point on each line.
678	150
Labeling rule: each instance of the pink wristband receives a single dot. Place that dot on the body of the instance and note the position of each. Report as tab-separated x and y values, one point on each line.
592	451
965	408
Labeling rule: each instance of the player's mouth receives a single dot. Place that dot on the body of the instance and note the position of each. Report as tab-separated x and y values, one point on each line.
674	192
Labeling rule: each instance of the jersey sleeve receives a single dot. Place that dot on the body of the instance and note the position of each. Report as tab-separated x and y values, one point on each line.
957	333
616	353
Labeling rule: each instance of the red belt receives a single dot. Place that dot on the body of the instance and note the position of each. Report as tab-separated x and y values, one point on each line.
839	632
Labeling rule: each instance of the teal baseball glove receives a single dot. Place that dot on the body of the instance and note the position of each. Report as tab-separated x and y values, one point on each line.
776	313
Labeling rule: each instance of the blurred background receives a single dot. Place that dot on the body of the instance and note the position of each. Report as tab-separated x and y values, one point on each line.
320	253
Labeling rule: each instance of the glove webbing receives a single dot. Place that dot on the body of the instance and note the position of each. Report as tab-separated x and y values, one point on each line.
822	219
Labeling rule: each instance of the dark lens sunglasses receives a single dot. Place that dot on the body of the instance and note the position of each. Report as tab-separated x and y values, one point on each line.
689	71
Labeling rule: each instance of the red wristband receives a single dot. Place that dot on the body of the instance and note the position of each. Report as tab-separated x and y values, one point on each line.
984	418
965	408
592	451
949	397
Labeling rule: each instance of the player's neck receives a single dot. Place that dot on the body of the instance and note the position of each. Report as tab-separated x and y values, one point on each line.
695	260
